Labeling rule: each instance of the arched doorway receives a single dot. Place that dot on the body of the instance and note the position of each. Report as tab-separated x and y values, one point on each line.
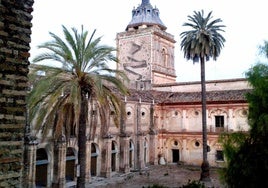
70	165
113	157
94	159
131	154
41	168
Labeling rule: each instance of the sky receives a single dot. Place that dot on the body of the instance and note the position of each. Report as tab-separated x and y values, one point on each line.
245	21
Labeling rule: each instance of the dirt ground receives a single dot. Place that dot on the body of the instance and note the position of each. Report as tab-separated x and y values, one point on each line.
171	176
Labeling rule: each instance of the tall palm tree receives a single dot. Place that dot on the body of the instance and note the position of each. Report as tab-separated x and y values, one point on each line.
65	91
201	42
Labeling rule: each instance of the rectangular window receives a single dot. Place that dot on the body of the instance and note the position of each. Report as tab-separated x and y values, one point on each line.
219	121
219	155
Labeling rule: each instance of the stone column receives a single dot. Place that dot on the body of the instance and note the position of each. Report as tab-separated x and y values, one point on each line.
139	142
124	143
184	120
30	161
230	123
153	155
153	158
184	152
124	154
60	163
106	157
122	118
141	151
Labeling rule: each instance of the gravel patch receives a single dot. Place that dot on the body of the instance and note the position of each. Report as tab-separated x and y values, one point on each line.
171	176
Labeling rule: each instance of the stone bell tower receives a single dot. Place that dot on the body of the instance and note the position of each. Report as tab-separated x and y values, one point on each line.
146	50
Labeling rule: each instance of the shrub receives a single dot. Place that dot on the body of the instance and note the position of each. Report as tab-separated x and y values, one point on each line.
194	184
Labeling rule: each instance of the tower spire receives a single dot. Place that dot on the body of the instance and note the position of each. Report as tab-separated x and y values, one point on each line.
145	2
145	15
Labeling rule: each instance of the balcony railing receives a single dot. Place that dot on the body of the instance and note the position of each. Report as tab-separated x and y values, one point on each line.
225	128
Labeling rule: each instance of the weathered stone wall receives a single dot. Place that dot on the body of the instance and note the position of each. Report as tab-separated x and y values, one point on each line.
15	31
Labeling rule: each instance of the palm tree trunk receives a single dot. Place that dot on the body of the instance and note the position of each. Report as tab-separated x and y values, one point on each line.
81	180
205	165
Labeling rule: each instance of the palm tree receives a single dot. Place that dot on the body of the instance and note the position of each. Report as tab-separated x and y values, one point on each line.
84	76
201	42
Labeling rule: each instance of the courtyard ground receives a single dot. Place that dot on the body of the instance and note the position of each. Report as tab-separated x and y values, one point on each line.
172	176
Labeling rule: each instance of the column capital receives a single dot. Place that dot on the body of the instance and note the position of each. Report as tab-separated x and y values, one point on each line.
153	131
31	140
125	134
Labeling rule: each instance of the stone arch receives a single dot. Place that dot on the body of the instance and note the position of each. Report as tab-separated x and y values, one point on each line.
193	113
174	113
164	57
72	143
174	143
217	111
95	152
194	144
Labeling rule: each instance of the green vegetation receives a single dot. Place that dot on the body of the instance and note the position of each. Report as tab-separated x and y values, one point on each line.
193	184
60	97
247	164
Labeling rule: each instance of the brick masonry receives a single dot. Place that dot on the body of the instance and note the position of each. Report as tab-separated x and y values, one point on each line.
15	31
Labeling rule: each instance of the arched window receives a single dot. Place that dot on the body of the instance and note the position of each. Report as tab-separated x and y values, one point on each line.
113	157
131	154
164	56
145	151
94	159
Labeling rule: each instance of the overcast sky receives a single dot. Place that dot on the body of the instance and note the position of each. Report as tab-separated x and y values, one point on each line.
246	28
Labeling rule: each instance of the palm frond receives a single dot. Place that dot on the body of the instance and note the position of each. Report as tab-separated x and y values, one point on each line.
57	94
203	40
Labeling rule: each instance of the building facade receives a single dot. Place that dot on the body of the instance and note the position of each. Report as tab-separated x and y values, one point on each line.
163	117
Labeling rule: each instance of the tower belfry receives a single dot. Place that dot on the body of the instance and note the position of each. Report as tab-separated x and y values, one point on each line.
145	49
145	14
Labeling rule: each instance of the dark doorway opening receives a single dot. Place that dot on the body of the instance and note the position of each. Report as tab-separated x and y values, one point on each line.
94	159
175	155
41	168
70	165
131	152
113	158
